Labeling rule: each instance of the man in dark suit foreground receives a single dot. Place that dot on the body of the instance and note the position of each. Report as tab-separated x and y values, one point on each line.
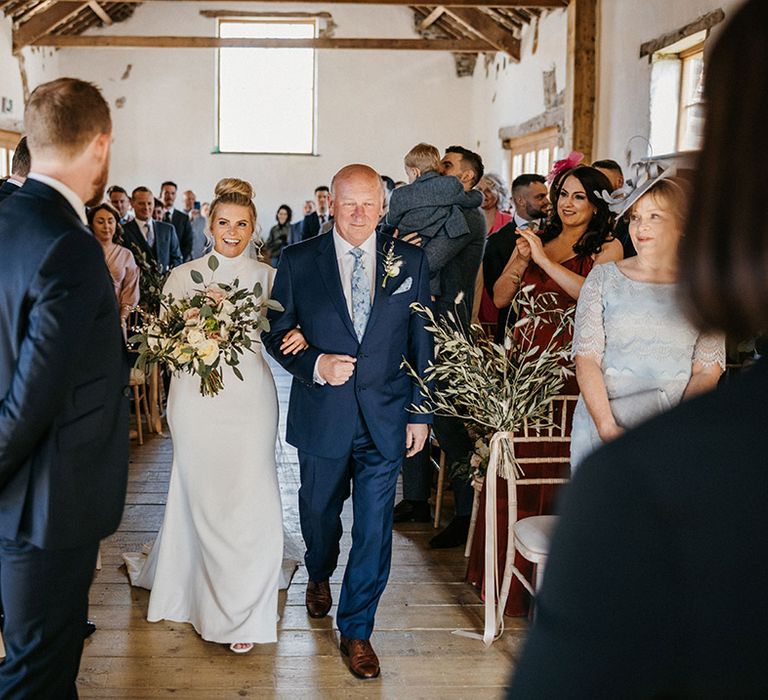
350	290
63	415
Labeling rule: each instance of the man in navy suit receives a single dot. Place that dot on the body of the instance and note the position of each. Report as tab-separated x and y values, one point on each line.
20	165
63	413
350	290
156	239
178	219
314	221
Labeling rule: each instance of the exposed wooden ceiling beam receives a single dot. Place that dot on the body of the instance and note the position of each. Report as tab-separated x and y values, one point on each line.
102	14
39	25
431	18
205	42
484	26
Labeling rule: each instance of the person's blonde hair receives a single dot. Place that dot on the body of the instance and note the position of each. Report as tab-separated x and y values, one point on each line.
672	195
424	157
232	190
63	116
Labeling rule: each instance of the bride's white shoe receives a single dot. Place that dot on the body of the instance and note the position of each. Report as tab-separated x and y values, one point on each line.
241	647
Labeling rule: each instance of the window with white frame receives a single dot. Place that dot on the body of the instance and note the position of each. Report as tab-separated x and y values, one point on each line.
8	141
532	153
677	109
267	95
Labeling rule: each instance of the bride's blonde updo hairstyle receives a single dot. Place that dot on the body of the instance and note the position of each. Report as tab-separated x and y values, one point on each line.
232	190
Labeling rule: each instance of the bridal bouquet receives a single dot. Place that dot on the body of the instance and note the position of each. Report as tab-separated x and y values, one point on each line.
496	388
201	333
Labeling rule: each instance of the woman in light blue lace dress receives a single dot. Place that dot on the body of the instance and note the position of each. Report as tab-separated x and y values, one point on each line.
635	352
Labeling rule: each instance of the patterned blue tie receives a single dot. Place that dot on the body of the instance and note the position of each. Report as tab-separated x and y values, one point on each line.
361	294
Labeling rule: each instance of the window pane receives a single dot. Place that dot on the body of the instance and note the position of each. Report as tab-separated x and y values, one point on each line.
691	103
517	165
267	96
530	162
542	164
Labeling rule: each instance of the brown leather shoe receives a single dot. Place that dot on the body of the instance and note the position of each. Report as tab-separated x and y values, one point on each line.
363	661
318	599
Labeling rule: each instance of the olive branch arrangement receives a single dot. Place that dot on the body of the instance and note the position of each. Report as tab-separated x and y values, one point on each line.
496	387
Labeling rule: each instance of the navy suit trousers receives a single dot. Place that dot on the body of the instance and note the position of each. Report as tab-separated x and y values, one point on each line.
44	594
325	485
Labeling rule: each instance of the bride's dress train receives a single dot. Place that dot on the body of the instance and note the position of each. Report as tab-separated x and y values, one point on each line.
217	561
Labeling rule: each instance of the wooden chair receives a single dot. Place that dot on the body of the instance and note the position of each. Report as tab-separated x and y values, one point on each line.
530	537
439	465
138	382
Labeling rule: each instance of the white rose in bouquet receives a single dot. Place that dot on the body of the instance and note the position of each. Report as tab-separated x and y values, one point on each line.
207	351
195	337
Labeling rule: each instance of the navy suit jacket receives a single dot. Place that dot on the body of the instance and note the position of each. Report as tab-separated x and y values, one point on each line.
311	225
165	250
183	227
7	189
63	370
321	418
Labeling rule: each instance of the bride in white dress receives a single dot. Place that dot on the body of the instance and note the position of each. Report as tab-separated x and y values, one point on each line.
216	562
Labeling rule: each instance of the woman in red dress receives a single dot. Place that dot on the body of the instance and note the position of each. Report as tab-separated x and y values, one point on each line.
556	261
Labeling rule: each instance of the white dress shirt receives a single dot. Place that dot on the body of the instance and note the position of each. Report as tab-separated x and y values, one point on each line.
147	230
346	262
64	191
520	222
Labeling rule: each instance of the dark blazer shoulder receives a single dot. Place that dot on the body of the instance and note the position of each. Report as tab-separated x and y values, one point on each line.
162	226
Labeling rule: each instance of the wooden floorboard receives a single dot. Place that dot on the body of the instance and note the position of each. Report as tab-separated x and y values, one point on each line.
425	601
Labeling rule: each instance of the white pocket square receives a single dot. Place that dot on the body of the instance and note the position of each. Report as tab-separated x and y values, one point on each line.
404	287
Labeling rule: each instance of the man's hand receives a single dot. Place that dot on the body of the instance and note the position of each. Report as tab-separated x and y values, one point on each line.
413	237
416	435
336	369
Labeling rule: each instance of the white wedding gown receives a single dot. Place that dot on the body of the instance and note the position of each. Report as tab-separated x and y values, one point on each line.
216	562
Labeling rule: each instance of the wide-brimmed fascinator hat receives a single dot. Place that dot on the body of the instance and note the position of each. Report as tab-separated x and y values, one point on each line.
645	175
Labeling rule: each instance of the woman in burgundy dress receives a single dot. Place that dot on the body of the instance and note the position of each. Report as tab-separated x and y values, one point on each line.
556	261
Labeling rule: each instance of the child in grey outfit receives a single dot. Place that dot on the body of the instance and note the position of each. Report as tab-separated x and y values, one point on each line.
431	205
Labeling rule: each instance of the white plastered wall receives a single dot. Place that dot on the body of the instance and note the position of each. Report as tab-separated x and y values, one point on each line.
372	106
623	105
505	93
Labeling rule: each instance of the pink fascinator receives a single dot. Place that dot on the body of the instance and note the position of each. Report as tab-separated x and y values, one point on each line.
567	163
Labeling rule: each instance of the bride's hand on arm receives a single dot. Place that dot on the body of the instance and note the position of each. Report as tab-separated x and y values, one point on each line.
293	343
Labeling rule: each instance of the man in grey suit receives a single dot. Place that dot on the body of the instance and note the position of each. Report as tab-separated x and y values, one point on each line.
156	239
458	275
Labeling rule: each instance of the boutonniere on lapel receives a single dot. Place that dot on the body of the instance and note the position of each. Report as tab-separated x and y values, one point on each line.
392	264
